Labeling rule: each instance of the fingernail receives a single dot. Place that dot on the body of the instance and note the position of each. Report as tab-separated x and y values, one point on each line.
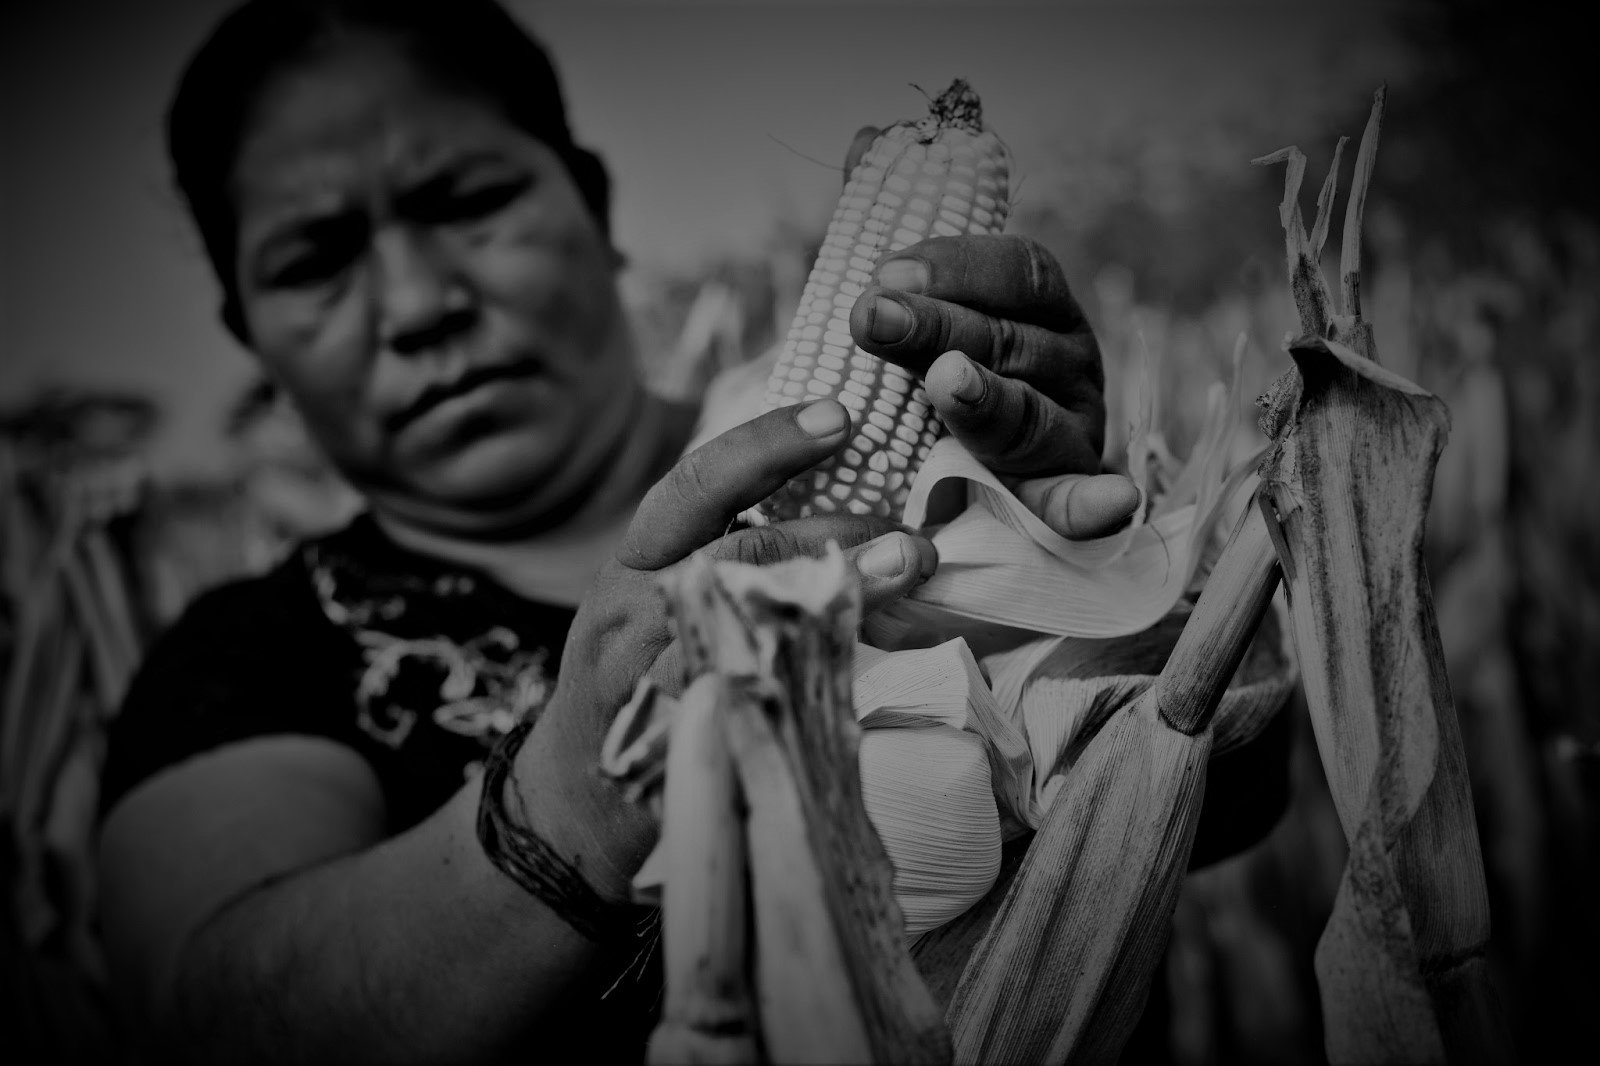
907	275
890	321
1113	493
969	383
884	557
822	419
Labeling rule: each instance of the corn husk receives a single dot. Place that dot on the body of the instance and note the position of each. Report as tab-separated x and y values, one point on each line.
928	795
933	746
708	1015
827	967
1070	688
1062	971
833	978
1005	577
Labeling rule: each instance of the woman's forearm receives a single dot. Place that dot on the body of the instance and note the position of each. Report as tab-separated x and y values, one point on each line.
417	949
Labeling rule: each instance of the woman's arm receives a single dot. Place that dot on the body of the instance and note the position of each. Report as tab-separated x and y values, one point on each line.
254	905
255	909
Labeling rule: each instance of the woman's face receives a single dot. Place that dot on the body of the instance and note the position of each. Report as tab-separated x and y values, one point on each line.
423	278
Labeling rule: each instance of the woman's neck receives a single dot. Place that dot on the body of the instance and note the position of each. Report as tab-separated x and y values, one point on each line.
557	561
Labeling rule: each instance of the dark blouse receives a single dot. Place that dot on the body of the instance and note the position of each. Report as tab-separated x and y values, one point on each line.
416	665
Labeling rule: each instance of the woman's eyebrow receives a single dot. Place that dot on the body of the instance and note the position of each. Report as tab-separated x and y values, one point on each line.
293	210
444	165
425	188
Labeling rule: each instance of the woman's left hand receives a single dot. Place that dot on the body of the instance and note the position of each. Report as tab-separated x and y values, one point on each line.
1008	361
1010	364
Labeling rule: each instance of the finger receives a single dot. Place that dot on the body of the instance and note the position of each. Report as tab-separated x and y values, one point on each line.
702	495
858	148
913	331
764	545
1011	427
1081	507
889	561
1006	276
891	566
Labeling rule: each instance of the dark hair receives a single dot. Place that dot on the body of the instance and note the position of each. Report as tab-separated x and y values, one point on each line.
474	42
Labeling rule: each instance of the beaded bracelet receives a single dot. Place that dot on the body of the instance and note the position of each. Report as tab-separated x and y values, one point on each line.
530	861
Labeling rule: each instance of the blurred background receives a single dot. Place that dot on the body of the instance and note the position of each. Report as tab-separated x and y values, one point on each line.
142	460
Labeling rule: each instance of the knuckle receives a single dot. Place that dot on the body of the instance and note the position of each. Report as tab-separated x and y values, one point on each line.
1021	440
1041	270
690	480
1005	342
762	545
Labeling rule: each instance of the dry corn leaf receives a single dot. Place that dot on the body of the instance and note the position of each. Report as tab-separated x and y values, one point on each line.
1401	962
1062	971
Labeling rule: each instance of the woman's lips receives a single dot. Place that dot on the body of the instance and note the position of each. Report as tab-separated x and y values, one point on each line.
435	395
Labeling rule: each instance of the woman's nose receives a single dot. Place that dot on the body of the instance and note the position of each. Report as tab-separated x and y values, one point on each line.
423	301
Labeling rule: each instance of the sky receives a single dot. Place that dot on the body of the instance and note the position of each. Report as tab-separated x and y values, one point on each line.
718	120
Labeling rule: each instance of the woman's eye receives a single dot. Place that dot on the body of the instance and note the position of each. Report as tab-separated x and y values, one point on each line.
311	266
317	254
480	201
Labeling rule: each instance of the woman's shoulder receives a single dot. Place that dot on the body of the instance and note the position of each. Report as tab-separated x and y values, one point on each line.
248	656
279	603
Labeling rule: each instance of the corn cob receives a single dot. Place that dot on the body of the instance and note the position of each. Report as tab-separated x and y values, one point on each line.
944	175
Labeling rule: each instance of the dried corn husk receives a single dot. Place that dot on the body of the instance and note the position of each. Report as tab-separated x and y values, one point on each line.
932	746
1071	686
1062	971
928	795
951	768
833	978
943	684
708	1015
1005	577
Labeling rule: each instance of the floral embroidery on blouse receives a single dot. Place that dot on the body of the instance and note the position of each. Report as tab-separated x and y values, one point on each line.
478	687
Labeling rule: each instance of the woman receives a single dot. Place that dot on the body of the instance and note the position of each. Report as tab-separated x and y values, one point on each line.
300	859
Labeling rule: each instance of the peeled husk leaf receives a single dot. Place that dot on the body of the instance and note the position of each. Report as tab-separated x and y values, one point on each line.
1005	577
927	792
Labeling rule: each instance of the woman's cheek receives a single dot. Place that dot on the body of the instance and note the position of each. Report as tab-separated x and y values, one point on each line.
552	266
318	348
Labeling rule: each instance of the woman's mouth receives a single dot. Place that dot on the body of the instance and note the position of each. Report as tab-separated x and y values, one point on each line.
477	377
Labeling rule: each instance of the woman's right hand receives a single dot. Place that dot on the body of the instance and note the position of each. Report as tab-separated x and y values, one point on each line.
622	633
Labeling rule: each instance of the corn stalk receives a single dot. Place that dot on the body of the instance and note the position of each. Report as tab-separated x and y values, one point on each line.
781	936
1401	963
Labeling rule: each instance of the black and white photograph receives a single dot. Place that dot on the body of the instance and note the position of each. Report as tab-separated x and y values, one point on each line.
799	532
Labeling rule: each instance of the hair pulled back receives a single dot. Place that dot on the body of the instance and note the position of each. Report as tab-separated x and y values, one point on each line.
476	44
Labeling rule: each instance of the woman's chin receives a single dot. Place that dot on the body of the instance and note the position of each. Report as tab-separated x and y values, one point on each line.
513	477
